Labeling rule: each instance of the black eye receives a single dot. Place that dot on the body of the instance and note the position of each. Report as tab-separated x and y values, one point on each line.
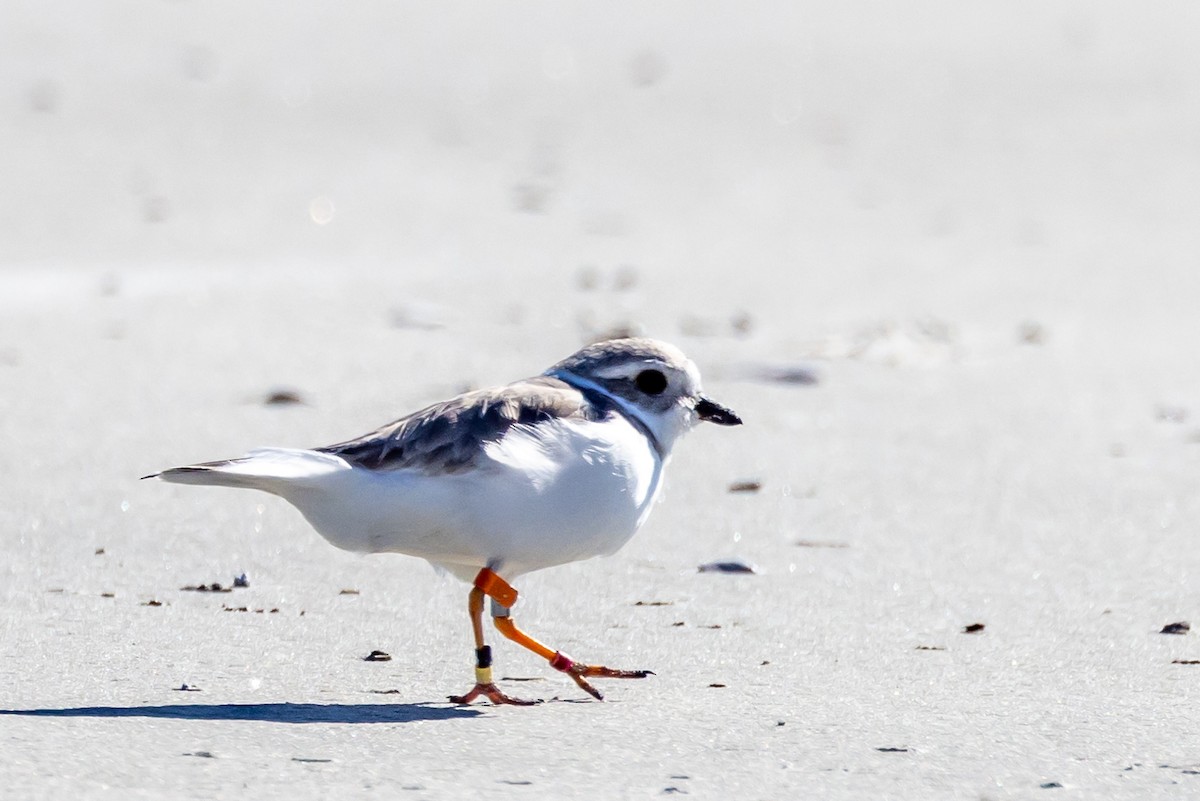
652	382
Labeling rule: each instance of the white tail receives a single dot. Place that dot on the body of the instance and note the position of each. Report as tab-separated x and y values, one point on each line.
268	469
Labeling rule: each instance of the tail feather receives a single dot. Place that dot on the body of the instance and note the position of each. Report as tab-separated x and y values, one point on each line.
268	469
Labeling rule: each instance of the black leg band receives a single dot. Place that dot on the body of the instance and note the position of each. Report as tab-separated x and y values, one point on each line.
483	657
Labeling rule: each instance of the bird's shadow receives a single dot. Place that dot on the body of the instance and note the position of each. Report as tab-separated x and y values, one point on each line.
269	713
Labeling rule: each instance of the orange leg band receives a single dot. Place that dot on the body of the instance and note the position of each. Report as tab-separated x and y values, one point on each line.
495	587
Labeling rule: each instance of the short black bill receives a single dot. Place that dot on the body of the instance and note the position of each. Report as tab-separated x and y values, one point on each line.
714	412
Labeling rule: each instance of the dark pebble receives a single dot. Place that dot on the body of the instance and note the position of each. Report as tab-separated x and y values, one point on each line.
727	567
282	397
974	628
377	656
214	587
1182	627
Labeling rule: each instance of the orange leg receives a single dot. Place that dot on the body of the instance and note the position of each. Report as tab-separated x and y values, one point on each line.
484	684
560	661
504	596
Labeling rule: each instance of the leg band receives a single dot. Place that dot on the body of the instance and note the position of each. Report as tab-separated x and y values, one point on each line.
483	657
562	662
483	675
495	587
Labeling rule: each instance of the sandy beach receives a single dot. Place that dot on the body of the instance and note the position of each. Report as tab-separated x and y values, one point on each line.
942	260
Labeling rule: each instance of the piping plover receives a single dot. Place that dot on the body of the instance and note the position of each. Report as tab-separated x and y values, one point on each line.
499	482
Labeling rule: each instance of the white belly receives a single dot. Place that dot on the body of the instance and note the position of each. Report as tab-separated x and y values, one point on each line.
570	491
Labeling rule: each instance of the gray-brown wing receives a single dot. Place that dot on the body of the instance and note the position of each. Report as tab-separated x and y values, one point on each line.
449	437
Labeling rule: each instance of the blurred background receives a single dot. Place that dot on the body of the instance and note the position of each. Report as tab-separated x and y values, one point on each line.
861	157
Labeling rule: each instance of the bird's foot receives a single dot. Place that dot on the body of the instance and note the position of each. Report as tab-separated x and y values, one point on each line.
492	693
581	672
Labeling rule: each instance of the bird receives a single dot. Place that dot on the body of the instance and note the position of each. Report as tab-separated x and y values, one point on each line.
496	483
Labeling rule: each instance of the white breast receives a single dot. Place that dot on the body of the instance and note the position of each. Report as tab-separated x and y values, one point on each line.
568	490
557	492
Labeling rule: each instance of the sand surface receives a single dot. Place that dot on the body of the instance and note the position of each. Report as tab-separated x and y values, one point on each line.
975	225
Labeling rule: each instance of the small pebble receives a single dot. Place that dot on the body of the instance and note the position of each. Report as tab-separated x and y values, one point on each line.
745	486
973	628
1031	333
282	397
742	323
214	587
727	567
377	656
1182	627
